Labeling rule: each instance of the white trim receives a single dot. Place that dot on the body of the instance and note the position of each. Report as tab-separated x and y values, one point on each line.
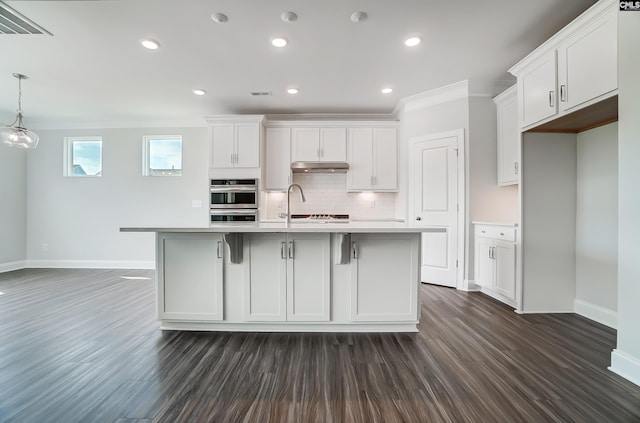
234	119
433	97
570	29
626	366
67	159
90	264
499	297
322	118
288	327
332	123
596	313
146	152
72	125
12	265
469	286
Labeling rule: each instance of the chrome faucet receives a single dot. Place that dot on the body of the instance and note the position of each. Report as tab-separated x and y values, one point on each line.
288	212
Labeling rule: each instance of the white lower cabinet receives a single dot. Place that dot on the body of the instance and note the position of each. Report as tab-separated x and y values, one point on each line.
495	261
189	275
384	277
287	277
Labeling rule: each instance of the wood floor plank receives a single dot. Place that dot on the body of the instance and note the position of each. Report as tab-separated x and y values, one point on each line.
84	346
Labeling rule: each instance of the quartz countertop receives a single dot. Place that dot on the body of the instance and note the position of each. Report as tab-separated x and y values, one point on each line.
350	227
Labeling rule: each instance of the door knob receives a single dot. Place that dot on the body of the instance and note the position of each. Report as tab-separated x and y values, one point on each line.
418	218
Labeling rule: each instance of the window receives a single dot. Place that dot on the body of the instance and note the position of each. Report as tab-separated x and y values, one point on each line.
82	156
162	155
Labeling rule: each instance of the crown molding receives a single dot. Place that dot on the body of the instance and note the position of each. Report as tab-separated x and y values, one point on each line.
433	97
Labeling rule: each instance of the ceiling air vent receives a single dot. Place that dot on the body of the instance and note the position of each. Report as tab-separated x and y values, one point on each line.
12	22
260	93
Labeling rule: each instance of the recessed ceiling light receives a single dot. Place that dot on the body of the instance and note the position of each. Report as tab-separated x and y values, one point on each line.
199	91
219	17
412	41
289	17
358	17
292	91
386	90
279	42
150	44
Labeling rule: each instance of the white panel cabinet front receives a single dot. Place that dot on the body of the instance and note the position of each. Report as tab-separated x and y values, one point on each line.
319	144
372	155
235	145
588	62
384	277
495	261
537	91
508	137
287	277
278	159
190	277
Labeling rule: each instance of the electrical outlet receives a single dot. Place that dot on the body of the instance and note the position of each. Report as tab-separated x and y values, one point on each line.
45	247
372	204
196	204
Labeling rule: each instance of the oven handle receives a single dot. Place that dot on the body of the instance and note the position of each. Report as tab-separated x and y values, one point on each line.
233	188
248	212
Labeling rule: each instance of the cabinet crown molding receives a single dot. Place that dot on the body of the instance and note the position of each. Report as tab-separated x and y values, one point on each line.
600	8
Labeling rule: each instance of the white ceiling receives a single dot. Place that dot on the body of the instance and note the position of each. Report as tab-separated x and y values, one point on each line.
93	68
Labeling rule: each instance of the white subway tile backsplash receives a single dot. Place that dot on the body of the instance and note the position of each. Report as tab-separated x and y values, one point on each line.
327	193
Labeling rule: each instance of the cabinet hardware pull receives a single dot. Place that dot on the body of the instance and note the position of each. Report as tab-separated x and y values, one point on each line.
502	233
551	102
219	251
490	248
283	254
515	166
292	250
563	94
354	250
418	218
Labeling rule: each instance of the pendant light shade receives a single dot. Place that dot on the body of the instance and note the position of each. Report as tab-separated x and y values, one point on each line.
16	135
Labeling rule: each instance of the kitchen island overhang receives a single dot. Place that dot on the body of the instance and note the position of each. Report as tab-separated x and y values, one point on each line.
277	277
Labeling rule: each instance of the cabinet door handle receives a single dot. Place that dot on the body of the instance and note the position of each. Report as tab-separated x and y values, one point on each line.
354	250
551	102
283	254
515	167
563	93
490	249
219	251
292	250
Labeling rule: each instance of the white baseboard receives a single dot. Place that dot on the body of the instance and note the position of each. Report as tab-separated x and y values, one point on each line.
626	366
90	264
498	296
12	265
596	313
469	286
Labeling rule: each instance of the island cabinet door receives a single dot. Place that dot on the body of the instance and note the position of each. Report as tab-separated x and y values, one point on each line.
265	284
384	277
308	277
190	277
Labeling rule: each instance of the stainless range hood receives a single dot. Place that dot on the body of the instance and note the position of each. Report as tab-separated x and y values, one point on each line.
319	167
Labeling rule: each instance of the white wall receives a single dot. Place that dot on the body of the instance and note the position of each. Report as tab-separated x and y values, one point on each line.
488	201
548	222
79	218
13	183
597	223
625	360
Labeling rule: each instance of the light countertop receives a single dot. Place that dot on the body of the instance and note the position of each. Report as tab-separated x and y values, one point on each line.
351	227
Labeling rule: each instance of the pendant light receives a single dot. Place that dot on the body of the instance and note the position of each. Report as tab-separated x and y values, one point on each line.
16	135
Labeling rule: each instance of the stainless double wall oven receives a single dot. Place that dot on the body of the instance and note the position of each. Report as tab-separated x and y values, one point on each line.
233	200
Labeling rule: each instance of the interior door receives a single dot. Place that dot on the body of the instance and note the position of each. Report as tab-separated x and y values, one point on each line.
435	205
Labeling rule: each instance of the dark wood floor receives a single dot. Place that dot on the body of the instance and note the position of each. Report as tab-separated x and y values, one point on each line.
84	346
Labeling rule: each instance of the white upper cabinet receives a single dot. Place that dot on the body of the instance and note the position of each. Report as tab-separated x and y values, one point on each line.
278	159
508	137
235	144
372	155
587	62
537	90
574	69
319	144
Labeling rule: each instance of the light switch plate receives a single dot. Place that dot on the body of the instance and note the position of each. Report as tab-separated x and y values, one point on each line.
196	204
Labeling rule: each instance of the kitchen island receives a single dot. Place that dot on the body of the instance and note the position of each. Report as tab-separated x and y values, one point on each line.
278	277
